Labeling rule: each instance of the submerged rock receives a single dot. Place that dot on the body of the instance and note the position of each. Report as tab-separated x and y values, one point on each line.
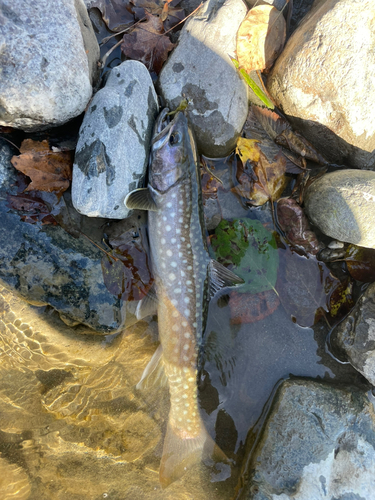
112	151
48	65
354	337
318	442
46	265
323	80
200	70
342	205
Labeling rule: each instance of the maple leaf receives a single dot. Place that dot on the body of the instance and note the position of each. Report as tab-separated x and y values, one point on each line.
262	180
148	44
260	38
117	14
48	170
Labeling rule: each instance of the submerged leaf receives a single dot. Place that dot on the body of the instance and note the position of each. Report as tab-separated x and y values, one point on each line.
260	38
295	225
263	180
31	209
117	14
305	287
249	307
48	170
248	246
247	149
148	44
361	263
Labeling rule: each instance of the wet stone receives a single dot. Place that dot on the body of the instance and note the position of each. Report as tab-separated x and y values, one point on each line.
354	338
114	140
49	62
200	70
342	205
46	265
317	442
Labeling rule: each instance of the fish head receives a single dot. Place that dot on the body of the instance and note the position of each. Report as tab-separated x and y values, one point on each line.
173	153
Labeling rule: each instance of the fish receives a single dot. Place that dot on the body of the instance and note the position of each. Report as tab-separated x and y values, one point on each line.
186	277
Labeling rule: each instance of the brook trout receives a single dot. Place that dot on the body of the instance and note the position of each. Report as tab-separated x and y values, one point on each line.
185	279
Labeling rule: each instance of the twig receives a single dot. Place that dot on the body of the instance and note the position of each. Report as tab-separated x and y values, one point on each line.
10	142
105	40
100	248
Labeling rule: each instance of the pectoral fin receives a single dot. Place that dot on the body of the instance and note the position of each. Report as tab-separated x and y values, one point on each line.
140	199
154	374
148	306
220	277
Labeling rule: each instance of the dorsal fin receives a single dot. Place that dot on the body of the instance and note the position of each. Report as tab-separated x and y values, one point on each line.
221	277
140	199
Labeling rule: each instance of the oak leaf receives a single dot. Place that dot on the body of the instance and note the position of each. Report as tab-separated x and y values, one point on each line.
260	38
48	170
148	44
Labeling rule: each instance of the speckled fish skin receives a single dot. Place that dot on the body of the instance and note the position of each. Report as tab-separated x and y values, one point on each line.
183	272
180	265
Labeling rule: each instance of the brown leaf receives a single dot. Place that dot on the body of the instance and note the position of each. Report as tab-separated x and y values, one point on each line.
252	307
305	287
263	181
48	170
31	209
296	227
361	263
297	143
117	14
148	44
260	38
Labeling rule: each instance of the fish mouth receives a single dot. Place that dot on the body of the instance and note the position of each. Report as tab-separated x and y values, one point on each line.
162	127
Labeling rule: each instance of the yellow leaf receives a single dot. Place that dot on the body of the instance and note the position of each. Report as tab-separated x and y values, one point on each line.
247	149
260	38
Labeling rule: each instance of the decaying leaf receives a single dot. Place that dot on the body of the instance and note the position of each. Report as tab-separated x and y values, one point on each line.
250	249
247	149
128	274
249	307
260	38
295	225
361	263
117	14
31	209
148	44
262	180
305	287
280	130
48	170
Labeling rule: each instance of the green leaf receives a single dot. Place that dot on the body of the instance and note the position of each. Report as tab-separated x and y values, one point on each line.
254	87
248	246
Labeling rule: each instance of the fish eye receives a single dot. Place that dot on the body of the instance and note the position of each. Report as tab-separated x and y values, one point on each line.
174	138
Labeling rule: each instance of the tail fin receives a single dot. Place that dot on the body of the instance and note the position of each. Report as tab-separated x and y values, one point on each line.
179	454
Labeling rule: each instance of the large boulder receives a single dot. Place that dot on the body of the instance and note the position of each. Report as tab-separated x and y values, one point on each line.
114	140
342	205
318	442
48	62
200	70
323	80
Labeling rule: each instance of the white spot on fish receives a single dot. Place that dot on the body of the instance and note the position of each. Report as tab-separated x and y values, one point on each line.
185	358
163	265
186	347
190	290
180	254
173	263
175	328
169	253
186	386
172	214
182	273
173	240
178	231
186	300
185	396
189	268
186	226
185	370
195	324
168	227
187	335
169	204
181	219
177	290
174	302
184	323
163	241
188	245
189	428
171	276
181	202
175	314
188	282
164	218
187	312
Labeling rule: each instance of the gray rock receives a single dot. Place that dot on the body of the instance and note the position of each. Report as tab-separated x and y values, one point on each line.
112	151
48	62
324	83
317	443
201	70
354	338
46	265
342	205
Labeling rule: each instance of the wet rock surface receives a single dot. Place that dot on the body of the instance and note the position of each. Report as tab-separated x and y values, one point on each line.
354	338
342	205
49	62
114	140
200	70
46	265
327	104
318	442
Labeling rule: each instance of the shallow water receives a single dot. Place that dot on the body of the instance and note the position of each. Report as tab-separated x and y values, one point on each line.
73	426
